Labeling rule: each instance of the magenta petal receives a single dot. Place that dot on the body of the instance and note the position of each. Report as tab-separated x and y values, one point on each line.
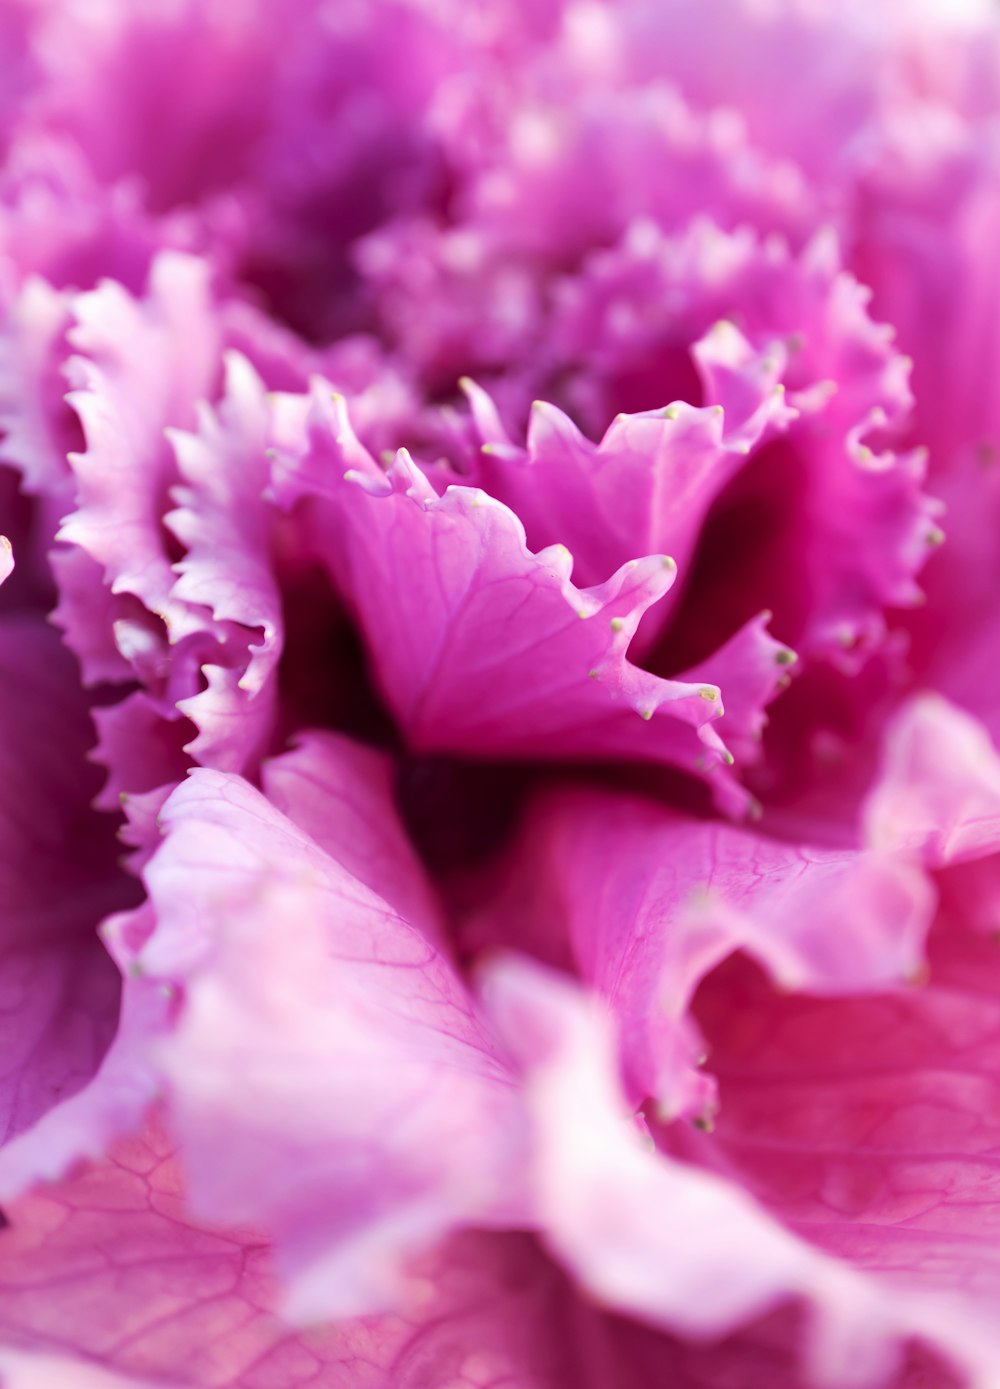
297	1079
572	174
107	78
869	1126
645	487
112	1103
479	645
840	510
58	221
32	350
141	742
59	1008
750	669
58	876
321	1034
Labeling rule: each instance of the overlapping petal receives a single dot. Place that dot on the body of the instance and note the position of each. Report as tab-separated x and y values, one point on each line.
142	366
647	484
479	645
152	1296
866	1125
829	501
688	1249
288	961
644	903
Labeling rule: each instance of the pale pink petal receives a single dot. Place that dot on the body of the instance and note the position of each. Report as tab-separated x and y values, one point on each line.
198	627
143	366
321	1034
683	1248
224	523
144	1296
341	793
645	903
116	567
937	795
107	1276
25	1370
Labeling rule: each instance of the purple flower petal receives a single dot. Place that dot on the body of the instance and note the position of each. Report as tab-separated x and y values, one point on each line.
58	877
479	645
